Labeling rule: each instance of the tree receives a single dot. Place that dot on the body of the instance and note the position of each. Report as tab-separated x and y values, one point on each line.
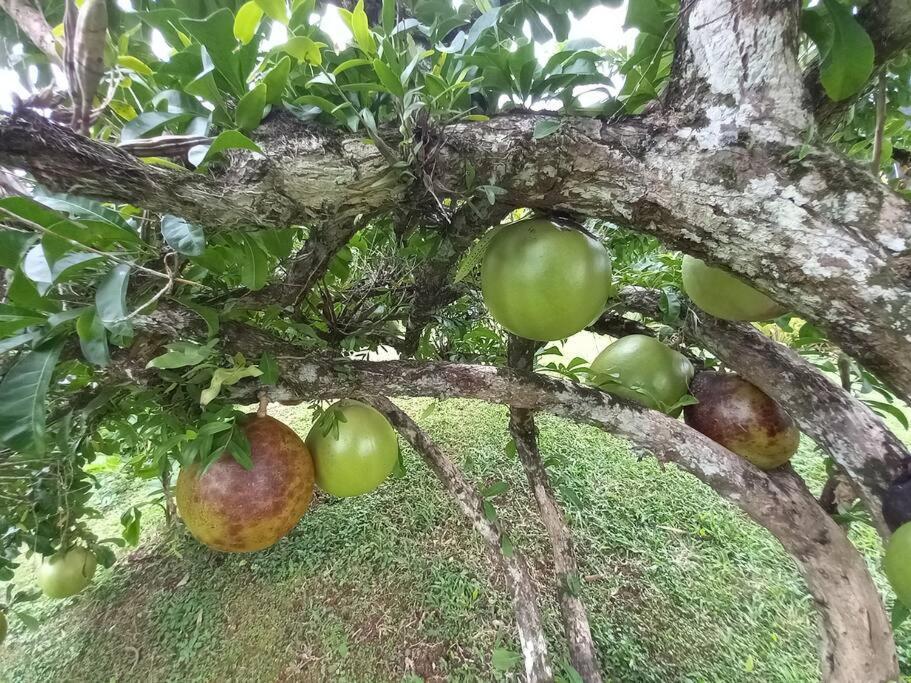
246	215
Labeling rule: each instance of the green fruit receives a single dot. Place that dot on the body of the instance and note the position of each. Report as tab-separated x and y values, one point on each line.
237	510
722	295
65	574
743	419
354	449
642	369
543	282
897	563
4	627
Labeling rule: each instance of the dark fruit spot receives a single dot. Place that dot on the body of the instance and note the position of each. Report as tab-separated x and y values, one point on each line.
897	502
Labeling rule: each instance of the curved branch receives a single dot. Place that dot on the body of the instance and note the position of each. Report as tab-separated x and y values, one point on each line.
856	638
32	23
582	652
524	599
855	437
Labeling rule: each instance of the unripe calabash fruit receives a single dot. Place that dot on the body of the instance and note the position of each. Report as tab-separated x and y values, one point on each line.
544	282
723	295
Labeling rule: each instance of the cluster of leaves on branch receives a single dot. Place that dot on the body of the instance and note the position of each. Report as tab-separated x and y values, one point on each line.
82	277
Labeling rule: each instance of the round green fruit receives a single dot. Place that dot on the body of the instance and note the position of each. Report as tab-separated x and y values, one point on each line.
354	449
65	574
724	296
543	282
236	510
740	417
642	369
897	563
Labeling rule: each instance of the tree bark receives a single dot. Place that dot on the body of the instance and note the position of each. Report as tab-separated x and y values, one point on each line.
855	437
820	234
32	23
524	599
582	654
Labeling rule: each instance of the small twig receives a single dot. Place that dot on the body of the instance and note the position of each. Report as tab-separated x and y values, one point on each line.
264	399
880	125
160	293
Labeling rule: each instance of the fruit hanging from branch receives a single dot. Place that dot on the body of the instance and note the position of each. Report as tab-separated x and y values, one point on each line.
897	563
88	59
66	573
743	419
354	449
724	296
642	369
4	627
544	282
234	509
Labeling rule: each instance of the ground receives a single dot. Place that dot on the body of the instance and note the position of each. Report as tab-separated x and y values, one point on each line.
394	586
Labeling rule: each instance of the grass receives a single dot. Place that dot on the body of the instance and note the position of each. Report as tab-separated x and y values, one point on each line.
394	587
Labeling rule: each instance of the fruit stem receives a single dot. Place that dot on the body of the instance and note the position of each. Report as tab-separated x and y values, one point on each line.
263	404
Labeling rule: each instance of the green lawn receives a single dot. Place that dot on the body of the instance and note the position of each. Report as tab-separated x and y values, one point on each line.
395	587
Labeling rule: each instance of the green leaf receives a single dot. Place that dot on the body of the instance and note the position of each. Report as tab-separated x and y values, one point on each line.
889	409
490	514
247	21
229	139
399	470
388	78
255	269
270	369
360	27
495	489
276	80
216	34
12	246
389	16
181	354
182	237
134	64
93	338
504	660
23	292
546	127
275	9
152	123
225	377
472	259
208	314
647	16
250	108
304	50
27	620
506	546
131	525
848	64
24	388
111	299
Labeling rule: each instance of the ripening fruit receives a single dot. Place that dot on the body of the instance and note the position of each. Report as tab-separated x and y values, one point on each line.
544	282
740	417
354	449
897	502
897	563
724	296
65	574
237	510
4	627
642	369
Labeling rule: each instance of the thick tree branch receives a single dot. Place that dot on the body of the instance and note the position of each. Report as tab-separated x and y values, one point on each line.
524	599
817	232
855	437
582	652
30	20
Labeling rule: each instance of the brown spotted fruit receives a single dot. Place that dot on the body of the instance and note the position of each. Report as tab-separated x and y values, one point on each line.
740	417
236	510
